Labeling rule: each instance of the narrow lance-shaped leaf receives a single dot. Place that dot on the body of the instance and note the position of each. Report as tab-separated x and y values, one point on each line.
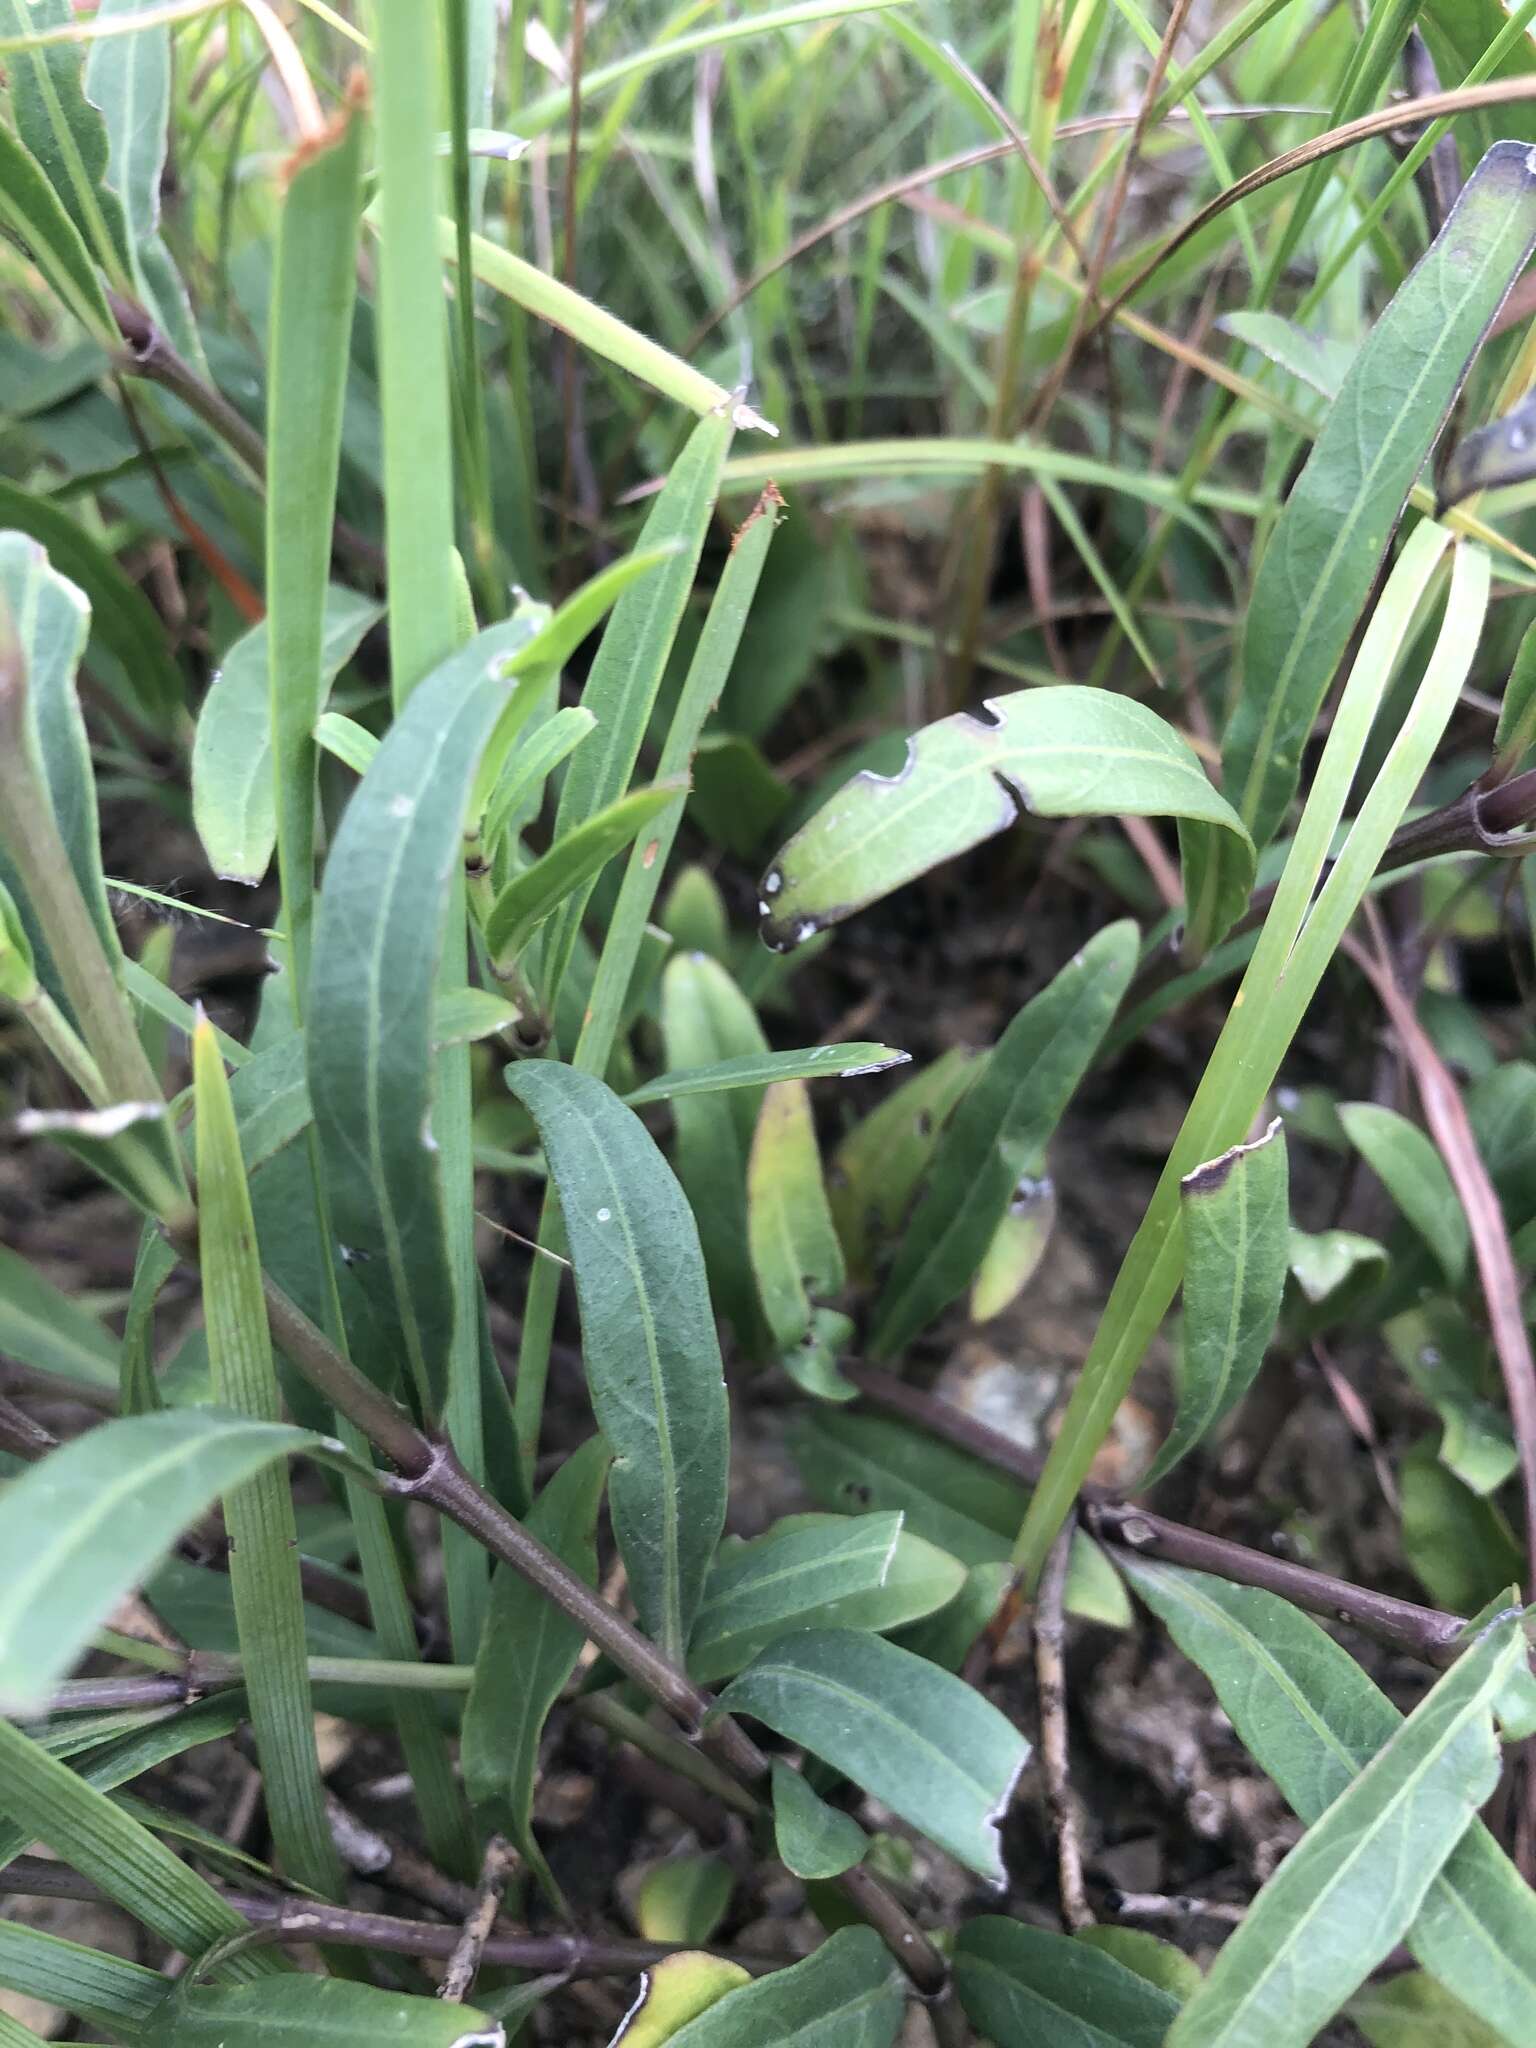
1063	751
101	1988
817	1571
89	1522
308	633
1406	1162
1502	453
263	1552
51	620
527	1653
914	1736
626	674
707	1021
42	1327
760	1070
63	131
236	799
648	1339
326	2011
1323	556
378	939
1023	1986
997	1133
795	1250
34	214
848	1994
84	1828
1350	1889
1236	1253
123	621
1312	1720
571	864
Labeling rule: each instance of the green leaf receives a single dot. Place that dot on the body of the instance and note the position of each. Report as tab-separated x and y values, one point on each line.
1348	1892
1021	1985
379	937
1458	1543
529	766
258	1512
102	1989
1449	1362
14	2035
684	1899
816	1571
129	78
707	1021
910	1734
1236	1249
626	674
712	663
1413	2011
86	1829
234	804
997	1134
326	2011
761	1070
673	1992
63	130
346	741
1317	359
1323	556
1019	1243
1158	1961
848	1994
1516	731
31	210
88	1522
575	860
1059	752
648	1338
1408	1165
1312	1720
285	667
528	1651
1321	1262
121	617
42	1327
877	1166
813	1839
52	620
796	1256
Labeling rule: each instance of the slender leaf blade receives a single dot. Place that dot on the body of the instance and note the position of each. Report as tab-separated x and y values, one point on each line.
848	1994
651	1353
328	2011
1353	1885
997	1132
1236	1254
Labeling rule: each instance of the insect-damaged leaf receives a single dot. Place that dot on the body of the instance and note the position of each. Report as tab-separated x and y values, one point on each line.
1236	1247
847	1995
1060	752
648	1339
914	1736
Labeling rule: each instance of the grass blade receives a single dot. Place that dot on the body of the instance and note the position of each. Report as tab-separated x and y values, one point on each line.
100	1988
313	287
264	1558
